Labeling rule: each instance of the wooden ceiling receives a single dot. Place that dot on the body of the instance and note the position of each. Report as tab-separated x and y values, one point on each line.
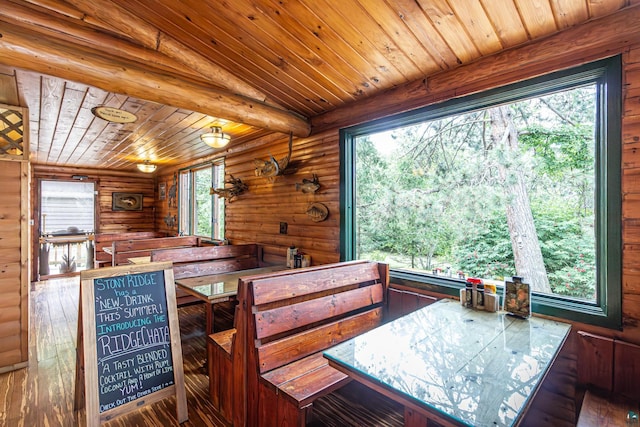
253	67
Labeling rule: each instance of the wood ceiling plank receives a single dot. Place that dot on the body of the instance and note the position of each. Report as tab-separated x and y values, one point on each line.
450	29
149	136
70	108
569	12
95	152
506	21
29	92
288	54
52	90
128	136
325	64
304	26
352	14
93	97
224	45
332	48
276	57
413	16
397	30
537	17
386	72
478	26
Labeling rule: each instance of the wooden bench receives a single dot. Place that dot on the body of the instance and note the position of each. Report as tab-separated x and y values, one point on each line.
102	240
284	321
609	369
206	260
122	250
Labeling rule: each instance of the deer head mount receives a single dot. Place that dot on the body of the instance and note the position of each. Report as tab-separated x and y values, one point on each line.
272	167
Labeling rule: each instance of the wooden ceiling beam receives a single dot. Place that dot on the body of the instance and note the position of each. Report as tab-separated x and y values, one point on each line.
24	48
152	38
74	31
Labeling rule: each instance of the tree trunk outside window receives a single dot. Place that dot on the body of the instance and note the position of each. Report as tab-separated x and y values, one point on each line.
524	238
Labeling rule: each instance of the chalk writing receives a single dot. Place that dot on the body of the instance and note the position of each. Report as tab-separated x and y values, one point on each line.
133	339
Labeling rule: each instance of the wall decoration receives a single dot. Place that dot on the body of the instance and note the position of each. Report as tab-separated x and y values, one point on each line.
162	190
308	185
237	187
272	167
170	220
318	212
173	192
126	201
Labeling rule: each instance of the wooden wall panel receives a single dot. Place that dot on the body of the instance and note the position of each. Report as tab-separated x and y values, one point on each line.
256	216
14	290
166	219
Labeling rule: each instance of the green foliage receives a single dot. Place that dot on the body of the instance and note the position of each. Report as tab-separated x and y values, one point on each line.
486	252
560	149
435	194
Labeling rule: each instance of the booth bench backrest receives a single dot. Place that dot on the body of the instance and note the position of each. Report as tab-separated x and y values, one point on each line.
123	250
206	260
102	240
286	316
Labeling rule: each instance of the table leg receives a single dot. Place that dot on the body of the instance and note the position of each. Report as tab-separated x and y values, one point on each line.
209	316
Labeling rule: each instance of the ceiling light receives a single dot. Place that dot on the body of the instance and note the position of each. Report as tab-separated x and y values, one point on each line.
215	138
146	167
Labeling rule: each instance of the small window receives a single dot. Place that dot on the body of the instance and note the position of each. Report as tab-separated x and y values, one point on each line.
519	181
202	213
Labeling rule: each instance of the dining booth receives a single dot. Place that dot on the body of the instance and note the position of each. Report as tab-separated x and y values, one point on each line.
258	146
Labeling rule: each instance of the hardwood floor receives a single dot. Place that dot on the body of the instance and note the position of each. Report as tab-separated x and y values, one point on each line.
42	394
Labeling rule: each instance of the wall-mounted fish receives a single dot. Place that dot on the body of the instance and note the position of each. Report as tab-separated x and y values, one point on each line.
237	187
308	185
318	212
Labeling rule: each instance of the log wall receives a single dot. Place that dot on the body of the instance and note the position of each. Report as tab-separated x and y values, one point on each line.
255	216
107	182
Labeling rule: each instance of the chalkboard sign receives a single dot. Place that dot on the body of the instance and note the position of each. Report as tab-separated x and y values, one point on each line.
130	340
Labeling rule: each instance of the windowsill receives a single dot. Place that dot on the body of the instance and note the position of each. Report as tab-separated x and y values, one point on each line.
549	305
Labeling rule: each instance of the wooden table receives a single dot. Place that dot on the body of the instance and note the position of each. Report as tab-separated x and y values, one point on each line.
455	366
217	288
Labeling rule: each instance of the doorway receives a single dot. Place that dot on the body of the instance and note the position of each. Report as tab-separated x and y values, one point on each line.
67	224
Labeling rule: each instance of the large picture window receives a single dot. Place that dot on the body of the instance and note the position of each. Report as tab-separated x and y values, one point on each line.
202	213
519	181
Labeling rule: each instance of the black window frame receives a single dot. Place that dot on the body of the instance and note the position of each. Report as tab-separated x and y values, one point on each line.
606	311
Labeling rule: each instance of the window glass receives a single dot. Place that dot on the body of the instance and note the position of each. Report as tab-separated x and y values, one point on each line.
201	213
67	207
515	182
488	194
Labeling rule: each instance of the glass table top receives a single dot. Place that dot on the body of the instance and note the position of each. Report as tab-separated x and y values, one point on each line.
215	286
476	367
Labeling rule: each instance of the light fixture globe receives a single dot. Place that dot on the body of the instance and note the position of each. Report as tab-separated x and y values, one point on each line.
215	138
146	167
